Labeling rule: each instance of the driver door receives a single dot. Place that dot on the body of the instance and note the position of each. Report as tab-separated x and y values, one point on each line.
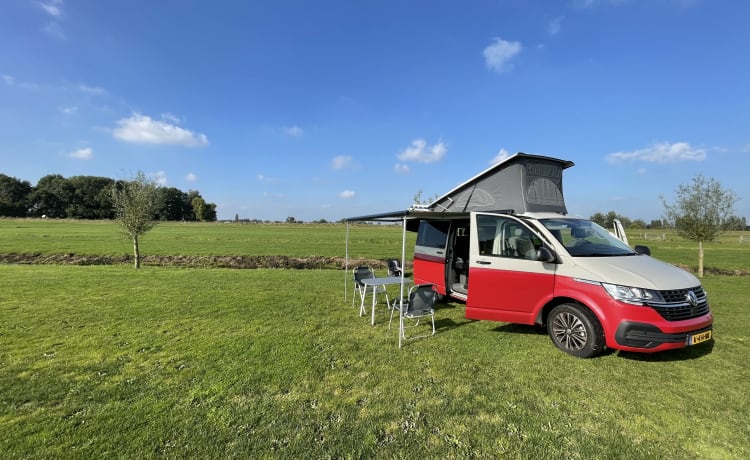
507	283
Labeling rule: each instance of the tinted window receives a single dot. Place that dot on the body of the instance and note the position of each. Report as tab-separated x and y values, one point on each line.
433	234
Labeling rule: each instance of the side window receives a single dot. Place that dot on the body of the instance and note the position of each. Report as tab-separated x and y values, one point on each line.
433	234
504	237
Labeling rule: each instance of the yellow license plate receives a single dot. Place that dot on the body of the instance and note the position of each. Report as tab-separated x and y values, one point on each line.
699	338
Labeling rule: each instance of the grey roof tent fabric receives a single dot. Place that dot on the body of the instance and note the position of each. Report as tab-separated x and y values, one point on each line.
523	183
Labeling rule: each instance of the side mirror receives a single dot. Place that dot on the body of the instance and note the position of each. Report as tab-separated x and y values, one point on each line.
644	250
545	254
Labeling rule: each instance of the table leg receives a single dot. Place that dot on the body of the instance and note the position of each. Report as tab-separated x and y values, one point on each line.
362	303
372	322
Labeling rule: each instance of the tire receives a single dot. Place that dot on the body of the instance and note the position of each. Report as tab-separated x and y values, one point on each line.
575	330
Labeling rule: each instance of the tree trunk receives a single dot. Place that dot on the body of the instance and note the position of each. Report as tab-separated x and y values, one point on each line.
700	259
136	252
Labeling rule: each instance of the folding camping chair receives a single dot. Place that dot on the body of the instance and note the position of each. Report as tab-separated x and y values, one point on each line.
419	304
362	273
394	269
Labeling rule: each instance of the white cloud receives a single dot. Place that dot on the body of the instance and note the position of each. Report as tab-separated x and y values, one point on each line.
347	194
142	129
72	110
502	155
497	56
401	168
263	178
341	162
52	7
11	81
591	3
94	90
420	152
54	29
174	119
82	154
555	25
294	131
160	177
190	177
661	153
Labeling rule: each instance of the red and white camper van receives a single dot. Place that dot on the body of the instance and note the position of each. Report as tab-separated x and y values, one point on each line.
504	244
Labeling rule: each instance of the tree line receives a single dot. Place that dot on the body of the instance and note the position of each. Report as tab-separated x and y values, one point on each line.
729	223
90	197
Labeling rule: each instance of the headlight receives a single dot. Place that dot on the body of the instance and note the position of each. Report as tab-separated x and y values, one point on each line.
632	295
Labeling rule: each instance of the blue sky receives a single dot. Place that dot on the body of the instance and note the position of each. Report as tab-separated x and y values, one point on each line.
331	109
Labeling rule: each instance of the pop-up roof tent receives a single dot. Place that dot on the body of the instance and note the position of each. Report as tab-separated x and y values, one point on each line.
521	183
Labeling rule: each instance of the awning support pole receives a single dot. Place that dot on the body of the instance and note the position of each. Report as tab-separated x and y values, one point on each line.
403	270
346	263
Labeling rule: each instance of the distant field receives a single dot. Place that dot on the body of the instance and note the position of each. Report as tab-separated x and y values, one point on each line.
36	236
199	239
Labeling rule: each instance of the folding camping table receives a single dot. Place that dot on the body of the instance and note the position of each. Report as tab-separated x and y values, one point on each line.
374	283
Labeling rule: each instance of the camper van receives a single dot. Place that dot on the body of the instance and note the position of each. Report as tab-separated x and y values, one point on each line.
504	244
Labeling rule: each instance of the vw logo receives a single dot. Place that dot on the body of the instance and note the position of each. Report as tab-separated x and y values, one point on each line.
692	298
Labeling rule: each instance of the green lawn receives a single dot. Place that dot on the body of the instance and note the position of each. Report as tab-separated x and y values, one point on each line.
209	363
108	361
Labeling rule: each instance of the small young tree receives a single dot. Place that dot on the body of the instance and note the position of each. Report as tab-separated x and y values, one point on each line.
136	203
699	212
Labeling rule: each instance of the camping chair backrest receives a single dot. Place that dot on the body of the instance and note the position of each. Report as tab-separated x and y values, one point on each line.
421	297
394	269
362	273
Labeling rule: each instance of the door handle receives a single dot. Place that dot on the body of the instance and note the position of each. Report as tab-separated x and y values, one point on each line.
483	262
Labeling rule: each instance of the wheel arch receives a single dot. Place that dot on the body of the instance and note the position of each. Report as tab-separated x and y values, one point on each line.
541	318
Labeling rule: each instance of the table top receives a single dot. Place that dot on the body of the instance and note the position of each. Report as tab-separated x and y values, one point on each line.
384	280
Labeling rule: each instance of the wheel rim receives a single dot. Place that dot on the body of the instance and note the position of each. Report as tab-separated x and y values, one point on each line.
569	331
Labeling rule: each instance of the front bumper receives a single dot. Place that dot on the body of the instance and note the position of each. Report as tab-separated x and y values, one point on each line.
647	336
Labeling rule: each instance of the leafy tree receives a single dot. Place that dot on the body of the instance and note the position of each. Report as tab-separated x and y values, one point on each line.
419	200
656	223
136	204
599	218
209	213
608	220
638	223
14	196
700	211
735	223
90	197
199	207
176	205
51	196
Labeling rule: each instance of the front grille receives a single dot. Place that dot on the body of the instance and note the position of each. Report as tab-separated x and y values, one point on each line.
677	307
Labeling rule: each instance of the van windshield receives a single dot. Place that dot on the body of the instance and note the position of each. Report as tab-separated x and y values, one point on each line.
583	238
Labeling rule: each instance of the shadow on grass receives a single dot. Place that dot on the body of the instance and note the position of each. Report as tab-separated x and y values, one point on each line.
682	354
446	324
521	329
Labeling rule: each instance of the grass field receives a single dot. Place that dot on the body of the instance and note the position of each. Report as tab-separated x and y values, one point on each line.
35	236
110	361
199	239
